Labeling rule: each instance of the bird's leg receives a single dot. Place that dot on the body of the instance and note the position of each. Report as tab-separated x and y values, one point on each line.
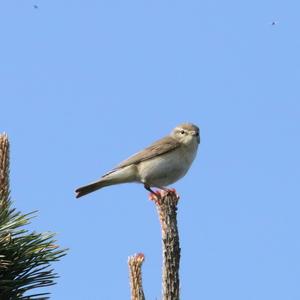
147	187
159	193
153	194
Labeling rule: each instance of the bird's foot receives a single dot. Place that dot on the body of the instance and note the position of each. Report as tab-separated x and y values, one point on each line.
158	194
167	190
155	195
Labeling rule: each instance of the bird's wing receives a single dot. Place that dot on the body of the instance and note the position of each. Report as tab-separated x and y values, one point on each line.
159	147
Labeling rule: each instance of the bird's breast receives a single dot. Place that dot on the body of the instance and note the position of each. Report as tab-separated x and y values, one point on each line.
167	168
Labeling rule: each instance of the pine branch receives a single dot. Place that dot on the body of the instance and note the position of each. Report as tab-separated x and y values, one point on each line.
135	274
24	257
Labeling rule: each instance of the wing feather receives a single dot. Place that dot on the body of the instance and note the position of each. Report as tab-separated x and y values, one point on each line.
159	147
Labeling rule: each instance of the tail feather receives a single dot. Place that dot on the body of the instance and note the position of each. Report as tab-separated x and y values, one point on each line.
127	174
84	190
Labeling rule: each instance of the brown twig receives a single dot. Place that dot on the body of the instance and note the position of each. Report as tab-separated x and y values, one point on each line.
166	204
135	273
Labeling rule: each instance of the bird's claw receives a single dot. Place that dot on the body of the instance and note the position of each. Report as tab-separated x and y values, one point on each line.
155	196
158	194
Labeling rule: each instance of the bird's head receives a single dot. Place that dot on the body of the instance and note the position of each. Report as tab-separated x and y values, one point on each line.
186	133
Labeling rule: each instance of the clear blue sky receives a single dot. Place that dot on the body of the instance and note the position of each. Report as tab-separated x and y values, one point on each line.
84	84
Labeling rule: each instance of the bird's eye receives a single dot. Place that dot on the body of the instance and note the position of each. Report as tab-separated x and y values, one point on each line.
197	134
182	131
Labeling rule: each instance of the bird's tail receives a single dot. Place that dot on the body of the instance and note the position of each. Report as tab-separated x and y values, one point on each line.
86	189
127	174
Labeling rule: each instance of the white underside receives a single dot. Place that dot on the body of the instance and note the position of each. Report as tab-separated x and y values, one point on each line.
167	168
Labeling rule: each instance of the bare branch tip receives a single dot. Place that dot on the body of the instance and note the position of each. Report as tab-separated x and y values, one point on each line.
136	258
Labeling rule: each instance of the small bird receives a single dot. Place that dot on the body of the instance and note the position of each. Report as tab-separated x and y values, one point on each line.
159	165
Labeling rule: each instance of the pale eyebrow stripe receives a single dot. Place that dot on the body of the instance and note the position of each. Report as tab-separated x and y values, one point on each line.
185	130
